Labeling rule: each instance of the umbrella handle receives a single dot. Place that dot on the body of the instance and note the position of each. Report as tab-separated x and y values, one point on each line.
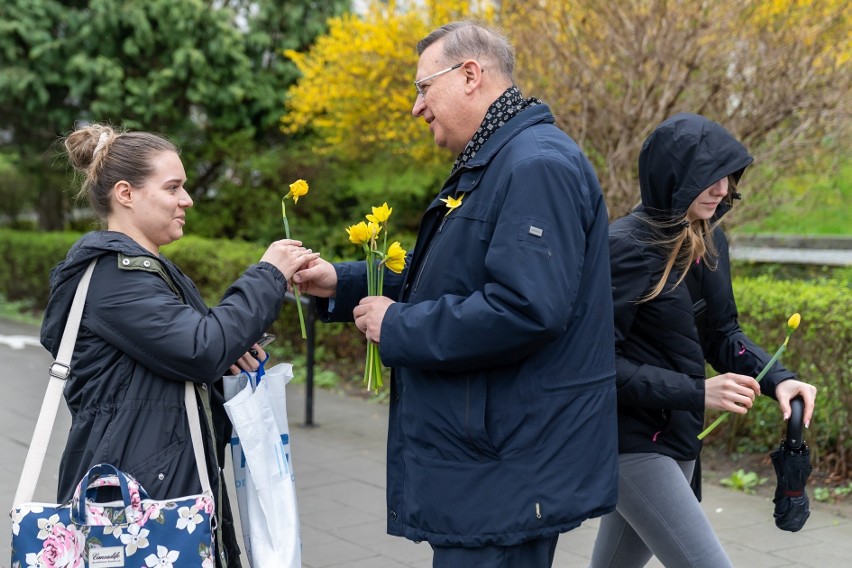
795	424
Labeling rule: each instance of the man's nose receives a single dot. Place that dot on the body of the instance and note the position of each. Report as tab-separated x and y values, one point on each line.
419	106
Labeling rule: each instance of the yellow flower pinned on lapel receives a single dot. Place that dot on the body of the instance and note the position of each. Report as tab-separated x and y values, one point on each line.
452	203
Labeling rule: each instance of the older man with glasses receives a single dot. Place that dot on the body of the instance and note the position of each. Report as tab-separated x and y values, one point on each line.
502	430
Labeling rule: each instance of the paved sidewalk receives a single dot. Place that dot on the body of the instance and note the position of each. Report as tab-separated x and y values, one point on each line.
340	472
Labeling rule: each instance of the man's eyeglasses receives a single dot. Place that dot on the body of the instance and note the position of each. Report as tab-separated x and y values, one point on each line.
417	84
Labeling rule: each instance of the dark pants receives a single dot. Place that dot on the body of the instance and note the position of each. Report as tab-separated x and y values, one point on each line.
531	554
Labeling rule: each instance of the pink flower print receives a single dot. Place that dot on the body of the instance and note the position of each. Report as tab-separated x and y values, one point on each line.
105	481
136	538
152	511
135	500
63	548
164	558
204	504
95	516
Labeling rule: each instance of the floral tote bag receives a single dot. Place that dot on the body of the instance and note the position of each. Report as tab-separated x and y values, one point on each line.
133	531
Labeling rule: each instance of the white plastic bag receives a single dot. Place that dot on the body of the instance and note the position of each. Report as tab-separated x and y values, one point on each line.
263	470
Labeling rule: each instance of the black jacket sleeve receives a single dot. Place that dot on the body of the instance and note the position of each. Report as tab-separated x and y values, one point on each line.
728	348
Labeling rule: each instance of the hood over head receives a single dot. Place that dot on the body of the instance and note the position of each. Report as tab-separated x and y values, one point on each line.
682	157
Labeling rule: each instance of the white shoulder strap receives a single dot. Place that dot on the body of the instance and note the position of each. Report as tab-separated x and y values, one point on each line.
59	373
195	434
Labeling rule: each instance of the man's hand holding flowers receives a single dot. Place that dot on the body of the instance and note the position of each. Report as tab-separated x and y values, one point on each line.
369	314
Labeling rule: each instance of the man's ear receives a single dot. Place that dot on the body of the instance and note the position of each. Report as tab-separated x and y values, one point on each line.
473	74
123	194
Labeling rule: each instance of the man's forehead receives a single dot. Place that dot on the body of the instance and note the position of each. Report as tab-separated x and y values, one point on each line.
432	55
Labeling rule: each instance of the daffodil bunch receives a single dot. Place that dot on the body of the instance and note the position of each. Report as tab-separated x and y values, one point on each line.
792	324
367	235
298	189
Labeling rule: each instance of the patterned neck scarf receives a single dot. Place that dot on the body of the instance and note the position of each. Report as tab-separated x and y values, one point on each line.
504	108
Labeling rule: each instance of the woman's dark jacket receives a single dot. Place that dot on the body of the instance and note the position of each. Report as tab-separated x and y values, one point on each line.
502	413
661	345
146	330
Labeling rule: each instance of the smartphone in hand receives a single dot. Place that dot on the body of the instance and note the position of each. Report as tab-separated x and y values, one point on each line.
264	340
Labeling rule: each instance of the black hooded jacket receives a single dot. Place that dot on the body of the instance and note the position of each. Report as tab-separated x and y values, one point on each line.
662	344
145	331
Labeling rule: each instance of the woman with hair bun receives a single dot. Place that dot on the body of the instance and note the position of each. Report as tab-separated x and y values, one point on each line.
674	309
146	330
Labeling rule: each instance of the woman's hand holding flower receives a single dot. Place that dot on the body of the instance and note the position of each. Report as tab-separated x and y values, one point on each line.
792	324
731	392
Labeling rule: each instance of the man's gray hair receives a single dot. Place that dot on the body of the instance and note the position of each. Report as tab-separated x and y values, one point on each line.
471	40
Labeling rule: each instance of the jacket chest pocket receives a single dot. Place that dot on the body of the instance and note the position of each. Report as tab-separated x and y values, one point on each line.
454	261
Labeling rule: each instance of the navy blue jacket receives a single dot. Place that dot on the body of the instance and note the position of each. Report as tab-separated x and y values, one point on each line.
502	414
145	331
662	345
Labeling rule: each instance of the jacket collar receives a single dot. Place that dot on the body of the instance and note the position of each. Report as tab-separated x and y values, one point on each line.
536	114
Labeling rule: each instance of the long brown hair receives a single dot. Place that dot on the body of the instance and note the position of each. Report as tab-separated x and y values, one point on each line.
684	243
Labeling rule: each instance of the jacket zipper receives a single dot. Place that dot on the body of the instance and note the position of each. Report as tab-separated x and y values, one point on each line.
428	254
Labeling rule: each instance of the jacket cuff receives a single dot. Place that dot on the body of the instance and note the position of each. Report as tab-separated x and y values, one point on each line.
277	274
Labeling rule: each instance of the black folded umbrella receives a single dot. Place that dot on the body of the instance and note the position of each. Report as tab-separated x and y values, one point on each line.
792	463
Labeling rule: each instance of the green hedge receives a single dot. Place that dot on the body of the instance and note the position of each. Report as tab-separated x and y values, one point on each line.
26	259
820	350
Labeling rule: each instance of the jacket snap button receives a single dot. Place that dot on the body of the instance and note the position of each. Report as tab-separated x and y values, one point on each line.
161	477
147	263
393	515
125	262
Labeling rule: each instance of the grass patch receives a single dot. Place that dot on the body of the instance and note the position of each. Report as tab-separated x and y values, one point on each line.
21	312
808	204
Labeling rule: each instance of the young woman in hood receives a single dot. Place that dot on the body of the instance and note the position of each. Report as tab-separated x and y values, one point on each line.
674	310
145	328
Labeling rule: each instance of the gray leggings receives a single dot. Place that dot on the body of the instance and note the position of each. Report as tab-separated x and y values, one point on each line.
657	515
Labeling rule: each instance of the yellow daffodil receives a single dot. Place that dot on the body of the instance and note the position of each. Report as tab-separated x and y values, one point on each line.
380	214
794	321
297	189
359	234
395	258
452	202
374	229
378	256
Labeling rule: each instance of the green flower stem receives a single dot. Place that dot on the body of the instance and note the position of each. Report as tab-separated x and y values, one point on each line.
716	422
775	357
295	288
375	283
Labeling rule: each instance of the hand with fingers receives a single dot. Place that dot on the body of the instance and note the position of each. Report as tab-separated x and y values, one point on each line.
731	392
288	256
